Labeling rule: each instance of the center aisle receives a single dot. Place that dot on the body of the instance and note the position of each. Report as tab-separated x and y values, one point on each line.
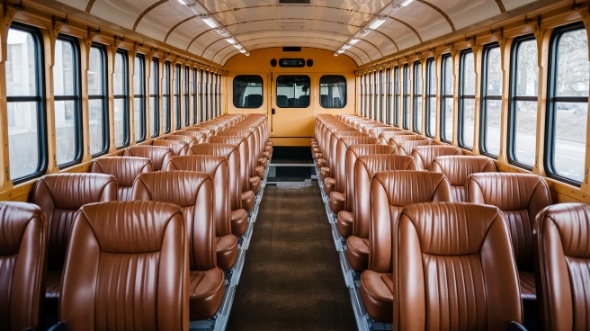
292	279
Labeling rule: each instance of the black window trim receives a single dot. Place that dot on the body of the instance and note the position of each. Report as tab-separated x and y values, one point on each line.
141	96
346	88
195	88
396	96
248	76
485	97
443	99
167	97
462	97
406	97
388	95
104	97
156	81
430	63
125	97
187	100
177	96
417	64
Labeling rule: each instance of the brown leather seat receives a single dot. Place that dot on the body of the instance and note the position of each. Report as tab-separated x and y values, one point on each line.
178	147
23	256
193	192
391	191
245	154
562	248
458	168
204	130
386	136
189	139
127	268
200	136
520	197
454	269
338	194
227	223
345	216
60	196
424	155
329	170
240	194
365	168
124	168
159	155
406	143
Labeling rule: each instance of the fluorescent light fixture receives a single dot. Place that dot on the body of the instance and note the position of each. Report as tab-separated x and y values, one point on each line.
187	2
401	3
377	23
231	41
346	47
353	41
243	51
340	51
247	53
210	21
222	32
238	46
364	32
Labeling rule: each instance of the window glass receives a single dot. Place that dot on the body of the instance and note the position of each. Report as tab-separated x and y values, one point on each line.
431	97
418	97
121	112
97	101
523	102
155	98
406	118
380	98
333	91
467	100
67	102
139	98
166	102
397	96
388	95
206	94
187	104
195	96
446	100
248	92
202	97
177	108
568	103
295	89
491	105
371	92
24	77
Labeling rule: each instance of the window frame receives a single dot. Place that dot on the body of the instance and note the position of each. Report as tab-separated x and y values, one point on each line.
250	77
417	125
38	99
513	98
124	97
292	76
167	97
344	102
397	96
104	97
444	97
195	87
177	96
187	102
485	97
155	76
406	96
379	115
552	99
388	95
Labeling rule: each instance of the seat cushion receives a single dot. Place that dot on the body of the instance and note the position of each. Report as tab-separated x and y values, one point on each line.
263	162
255	182
320	162
344	224
377	294
357	252
239	221
206	289
324	173
248	200
329	185
259	172
337	200
227	251
528	291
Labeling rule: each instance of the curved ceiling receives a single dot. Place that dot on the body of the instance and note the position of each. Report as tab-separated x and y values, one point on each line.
326	24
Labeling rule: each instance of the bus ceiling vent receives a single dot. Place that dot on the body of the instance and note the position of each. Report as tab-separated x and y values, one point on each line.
291	49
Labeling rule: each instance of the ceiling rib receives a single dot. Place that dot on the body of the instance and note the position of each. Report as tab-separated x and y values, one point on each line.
501	6
440	11
145	12
89	6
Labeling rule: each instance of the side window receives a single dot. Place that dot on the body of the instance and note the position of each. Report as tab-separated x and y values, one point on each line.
430	97
380	98
97	101
177	85
248	92
202	96
155	98
66	87
121	88
491	100
332	91
166	97
187	103
195	96
466	99
139	98
388	96
446	99
567	104
295	89
371	93
27	145
406	118
396	102
523	102
418	97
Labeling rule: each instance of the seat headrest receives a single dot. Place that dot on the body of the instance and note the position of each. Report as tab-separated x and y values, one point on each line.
383	162
14	219
458	168
124	168
353	140
572	221
178	187
364	149
231	140
405	187
199	163
213	149
509	191
70	191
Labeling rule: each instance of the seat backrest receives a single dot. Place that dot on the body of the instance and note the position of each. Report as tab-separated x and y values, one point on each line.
340	164
242	152
193	193
407	147
458	168
159	155
424	155
217	168
520	197
335	138
124	168
200	136
60	196
562	246
454	269
129	260
281	101
253	101
178	147
352	154
23	254
386	136
204	130
364	169
391	191
189	139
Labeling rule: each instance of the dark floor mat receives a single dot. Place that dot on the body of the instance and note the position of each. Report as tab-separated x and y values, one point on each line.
292	278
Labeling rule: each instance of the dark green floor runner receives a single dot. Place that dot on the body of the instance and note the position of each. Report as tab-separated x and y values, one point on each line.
292	278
